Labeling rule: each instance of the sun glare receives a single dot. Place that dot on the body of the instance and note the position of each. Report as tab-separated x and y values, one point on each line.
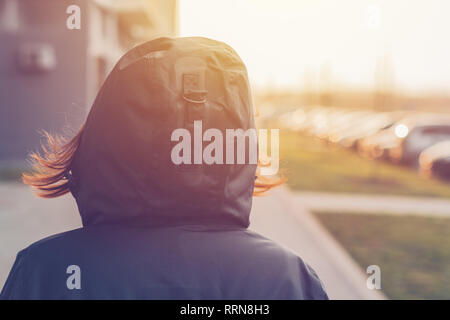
287	43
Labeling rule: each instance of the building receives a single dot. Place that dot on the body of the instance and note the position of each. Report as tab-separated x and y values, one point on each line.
50	74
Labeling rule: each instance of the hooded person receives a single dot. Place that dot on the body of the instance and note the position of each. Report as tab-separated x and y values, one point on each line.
155	227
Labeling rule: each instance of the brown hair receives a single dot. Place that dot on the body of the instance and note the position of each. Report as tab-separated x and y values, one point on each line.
51	171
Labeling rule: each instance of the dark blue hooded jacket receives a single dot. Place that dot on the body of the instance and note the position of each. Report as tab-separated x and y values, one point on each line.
153	229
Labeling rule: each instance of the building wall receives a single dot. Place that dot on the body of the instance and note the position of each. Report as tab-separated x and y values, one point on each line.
30	101
57	100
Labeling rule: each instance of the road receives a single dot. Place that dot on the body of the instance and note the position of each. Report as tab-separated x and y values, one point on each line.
25	219
386	204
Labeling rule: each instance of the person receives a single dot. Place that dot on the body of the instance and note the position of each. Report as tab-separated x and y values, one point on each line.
154	229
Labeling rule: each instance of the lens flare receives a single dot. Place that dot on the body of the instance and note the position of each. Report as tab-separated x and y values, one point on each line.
401	130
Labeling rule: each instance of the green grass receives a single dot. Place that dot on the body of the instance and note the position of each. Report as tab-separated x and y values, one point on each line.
413	252
311	164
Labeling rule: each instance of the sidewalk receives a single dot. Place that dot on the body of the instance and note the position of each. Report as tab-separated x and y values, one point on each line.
25	219
278	217
361	203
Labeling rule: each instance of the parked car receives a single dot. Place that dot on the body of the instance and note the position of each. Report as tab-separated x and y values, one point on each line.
377	143
365	126
293	120
435	160
318	121
414	137
347	124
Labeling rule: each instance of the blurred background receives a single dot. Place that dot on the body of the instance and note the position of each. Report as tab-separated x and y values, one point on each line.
360	90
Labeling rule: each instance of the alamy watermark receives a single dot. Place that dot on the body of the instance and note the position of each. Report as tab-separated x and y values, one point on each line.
73	21
73	281
374	280
374	16
235	142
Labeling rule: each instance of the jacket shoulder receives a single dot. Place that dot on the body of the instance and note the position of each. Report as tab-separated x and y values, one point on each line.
50	241
296	278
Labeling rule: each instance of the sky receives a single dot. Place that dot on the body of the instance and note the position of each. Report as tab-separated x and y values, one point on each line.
354	43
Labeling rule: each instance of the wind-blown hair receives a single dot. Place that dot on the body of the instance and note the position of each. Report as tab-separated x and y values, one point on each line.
51	170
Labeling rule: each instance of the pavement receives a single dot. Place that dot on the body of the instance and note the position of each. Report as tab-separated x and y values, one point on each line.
361	203
25	219
278	217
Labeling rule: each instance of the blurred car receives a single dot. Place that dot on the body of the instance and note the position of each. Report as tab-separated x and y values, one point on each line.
364	125
345	123
435	160
412	137
317	121
293	120
377	145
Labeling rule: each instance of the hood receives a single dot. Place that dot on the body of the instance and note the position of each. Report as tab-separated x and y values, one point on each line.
122	171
